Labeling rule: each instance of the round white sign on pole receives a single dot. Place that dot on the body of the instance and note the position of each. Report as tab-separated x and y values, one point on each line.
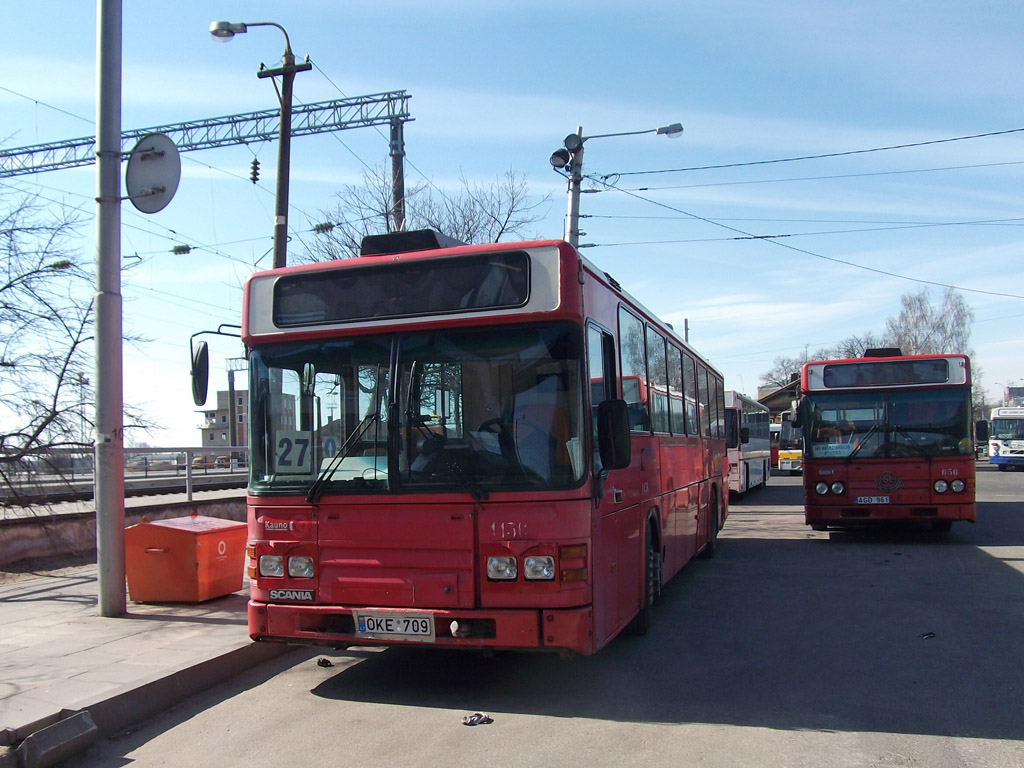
154	169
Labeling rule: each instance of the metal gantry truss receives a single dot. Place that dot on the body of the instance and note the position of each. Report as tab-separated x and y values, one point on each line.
390	108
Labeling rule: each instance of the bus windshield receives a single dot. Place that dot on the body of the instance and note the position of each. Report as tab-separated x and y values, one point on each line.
1007	429
472	411
901	423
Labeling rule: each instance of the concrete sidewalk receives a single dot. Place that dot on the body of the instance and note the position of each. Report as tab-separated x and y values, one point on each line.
68	676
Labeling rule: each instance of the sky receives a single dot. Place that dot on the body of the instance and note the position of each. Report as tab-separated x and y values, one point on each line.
719	230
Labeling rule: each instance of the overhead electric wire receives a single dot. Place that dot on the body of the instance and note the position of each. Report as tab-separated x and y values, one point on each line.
48	106
822	156
820	178
406	159
778	242
921	225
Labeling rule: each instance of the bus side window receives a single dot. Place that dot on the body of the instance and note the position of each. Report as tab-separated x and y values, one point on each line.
633	365
601	372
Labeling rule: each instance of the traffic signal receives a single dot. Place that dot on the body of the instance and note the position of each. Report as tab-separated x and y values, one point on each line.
255	173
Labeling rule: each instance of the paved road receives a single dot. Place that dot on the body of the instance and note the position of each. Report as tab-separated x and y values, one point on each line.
791	648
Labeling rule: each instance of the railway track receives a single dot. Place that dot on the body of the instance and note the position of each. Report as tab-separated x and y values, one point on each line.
54	489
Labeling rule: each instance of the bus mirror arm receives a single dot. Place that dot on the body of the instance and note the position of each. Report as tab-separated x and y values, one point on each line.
613	438
600	475
745	435
200	354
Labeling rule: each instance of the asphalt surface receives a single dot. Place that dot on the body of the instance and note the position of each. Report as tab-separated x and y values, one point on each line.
58	657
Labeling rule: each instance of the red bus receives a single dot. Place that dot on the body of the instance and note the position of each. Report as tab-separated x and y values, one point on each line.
887	438
442	451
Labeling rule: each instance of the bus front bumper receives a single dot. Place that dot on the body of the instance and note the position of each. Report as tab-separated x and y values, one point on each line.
817	515
560	630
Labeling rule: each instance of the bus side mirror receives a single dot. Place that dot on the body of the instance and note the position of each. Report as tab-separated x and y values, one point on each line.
796	412
981	431
745	435
200	372
613	439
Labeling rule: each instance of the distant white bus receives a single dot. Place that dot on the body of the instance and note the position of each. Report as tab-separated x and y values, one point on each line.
747	442
1006	438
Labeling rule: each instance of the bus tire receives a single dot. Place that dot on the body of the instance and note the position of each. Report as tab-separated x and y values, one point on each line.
642	622
767	474
715	523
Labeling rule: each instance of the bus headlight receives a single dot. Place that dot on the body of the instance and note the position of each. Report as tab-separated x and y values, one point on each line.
958	486
941	486
502	568
821	489
838	487
539	568
271	565
300	567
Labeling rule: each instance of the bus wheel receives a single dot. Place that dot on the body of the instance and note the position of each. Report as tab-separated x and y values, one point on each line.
652	587
767	474
712	545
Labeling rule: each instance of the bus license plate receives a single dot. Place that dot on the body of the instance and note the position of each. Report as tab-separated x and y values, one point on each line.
388	625
871	500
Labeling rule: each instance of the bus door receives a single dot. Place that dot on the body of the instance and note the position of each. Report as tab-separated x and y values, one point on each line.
616	542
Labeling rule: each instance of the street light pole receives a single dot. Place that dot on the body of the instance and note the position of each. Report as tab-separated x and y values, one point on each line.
570	158
108	480
224	31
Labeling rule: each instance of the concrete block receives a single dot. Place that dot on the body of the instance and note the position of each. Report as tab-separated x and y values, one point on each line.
58	742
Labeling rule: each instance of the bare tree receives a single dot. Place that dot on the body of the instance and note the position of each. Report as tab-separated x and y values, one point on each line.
475	214
923	328
482	214
920	328
45	329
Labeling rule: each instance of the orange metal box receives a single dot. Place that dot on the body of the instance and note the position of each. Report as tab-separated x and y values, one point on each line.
184	560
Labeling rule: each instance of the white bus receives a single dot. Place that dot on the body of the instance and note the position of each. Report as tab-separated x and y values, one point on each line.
1006	438
747	441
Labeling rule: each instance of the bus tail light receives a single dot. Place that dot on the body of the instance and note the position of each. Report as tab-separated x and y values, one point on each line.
573	552
573	560
250	560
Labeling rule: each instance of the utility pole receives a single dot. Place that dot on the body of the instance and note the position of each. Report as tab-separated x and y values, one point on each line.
287	72
568	160
109	442
398	174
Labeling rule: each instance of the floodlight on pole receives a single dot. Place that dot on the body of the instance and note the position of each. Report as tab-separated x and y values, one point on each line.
568	159
224	31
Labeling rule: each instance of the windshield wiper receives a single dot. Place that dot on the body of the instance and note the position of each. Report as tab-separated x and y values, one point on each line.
919	449
313	494
861	440
455	468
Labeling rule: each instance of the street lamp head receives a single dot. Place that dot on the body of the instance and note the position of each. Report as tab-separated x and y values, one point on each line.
673	131
223	31
573	142
560	158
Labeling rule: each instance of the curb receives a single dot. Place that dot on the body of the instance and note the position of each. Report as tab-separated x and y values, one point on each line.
76	727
